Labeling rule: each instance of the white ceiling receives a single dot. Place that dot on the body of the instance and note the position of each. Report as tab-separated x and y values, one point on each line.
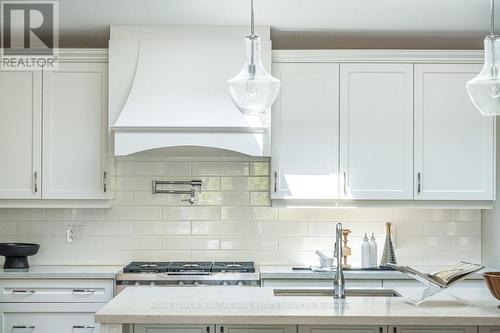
320	23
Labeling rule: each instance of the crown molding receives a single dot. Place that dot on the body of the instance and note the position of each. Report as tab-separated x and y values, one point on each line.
392	56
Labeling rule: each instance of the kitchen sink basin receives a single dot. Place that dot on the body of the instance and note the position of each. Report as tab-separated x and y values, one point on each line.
360	292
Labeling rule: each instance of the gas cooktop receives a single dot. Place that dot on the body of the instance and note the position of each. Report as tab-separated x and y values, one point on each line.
190	267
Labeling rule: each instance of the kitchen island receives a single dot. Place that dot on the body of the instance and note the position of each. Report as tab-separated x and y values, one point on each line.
259	310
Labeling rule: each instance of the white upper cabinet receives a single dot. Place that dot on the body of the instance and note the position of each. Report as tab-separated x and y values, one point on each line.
454	143
20	136
305	132
74	131
376	131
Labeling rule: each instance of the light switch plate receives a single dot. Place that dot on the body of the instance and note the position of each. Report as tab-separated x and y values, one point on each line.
75	233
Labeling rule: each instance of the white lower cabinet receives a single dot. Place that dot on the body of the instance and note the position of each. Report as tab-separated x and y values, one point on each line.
23	322
342	329
52	305
433	329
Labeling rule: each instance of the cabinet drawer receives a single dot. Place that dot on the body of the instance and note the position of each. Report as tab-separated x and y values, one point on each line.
52	291
39	322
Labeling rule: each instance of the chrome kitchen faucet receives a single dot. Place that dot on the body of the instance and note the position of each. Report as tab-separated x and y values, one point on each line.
339	281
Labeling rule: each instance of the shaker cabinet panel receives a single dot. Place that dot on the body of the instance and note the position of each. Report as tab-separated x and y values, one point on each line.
20	130
174	328
256	329
376	131
454	143
305	131
343	329
433	329
74	131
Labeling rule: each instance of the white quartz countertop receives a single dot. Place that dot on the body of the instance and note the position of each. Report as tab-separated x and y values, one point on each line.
288	272
64	272
248	305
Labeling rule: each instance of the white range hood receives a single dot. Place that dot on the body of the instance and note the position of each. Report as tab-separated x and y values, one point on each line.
167	88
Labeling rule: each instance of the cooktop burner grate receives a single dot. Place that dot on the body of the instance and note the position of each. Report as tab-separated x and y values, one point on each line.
146	267
235	267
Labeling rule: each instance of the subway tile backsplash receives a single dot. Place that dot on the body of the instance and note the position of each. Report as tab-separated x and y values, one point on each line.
233	220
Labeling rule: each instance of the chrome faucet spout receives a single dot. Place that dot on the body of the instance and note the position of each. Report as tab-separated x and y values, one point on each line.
339	281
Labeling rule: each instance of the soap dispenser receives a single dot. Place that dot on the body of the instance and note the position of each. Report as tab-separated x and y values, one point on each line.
373	251
365	253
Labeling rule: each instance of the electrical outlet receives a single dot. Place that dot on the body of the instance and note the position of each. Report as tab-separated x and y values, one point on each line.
75	233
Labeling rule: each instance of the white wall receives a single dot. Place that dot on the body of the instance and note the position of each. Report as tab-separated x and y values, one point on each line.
233	221
491	223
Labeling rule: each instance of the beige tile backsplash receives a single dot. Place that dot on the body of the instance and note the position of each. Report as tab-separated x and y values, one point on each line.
233	220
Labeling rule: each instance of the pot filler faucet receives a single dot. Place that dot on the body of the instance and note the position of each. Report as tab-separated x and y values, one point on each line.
338	281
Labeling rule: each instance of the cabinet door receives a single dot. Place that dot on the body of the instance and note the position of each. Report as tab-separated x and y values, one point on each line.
305	132
433	329
174	328
20	134
489	329
256	329
454	143
40	322
74	131
376	131
342	329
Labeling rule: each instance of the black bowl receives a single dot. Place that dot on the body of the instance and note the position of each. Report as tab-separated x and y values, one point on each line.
16	254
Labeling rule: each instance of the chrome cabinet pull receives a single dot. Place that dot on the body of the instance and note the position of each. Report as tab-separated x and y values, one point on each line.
84	326
419	181
23	327
345	183
35	181
207	329
23	292
275	181
105	181
84	291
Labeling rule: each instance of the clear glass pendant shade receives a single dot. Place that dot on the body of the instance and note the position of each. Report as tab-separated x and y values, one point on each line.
484	89
253	90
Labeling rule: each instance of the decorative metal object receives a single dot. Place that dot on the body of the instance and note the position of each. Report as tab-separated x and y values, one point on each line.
388	254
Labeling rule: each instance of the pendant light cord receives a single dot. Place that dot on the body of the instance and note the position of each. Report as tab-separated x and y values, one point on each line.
252	24
492	13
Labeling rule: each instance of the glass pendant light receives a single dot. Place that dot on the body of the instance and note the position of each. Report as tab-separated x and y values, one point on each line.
484	89
253	90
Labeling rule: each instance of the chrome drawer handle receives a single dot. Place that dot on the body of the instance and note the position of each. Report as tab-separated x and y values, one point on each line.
24	292
83	291
24	327
84	326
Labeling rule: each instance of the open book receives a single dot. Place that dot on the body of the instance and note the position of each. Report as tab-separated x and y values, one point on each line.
443	278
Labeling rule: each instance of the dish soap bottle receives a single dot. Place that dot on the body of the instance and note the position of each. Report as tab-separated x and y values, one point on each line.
373	251
365	253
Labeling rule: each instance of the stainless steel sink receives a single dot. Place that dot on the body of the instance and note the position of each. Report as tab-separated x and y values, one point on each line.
361	292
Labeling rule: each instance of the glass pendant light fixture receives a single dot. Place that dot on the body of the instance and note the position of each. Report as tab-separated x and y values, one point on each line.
484	89
253	90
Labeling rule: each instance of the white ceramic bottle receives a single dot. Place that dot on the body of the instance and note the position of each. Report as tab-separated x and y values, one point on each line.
373	251
365	253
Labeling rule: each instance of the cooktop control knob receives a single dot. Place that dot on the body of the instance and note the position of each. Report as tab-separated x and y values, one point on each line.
225	283
240	283
196	283
181	283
